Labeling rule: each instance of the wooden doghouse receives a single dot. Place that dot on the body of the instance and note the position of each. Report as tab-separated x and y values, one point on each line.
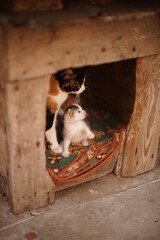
34	45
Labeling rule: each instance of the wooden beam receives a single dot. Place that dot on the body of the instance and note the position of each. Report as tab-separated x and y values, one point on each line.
3	114
30	185
47	44
30	5
141	149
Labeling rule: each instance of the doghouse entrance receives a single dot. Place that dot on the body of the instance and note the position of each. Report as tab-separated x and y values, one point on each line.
109	100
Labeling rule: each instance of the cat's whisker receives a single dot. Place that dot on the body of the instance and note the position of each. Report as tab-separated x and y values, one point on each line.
89	84
90	78
86	73
87	87
89	74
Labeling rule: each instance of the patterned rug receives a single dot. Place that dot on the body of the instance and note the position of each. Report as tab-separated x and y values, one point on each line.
109	138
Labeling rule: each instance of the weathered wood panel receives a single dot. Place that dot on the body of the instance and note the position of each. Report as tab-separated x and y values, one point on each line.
30	5
97	1
51	43
3	113
29	182
34	5
143	136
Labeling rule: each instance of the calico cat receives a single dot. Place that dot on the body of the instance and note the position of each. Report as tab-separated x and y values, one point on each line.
75	129
65	82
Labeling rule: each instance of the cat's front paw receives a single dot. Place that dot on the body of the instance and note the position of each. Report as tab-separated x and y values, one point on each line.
85	143
57	149
91	135
65	154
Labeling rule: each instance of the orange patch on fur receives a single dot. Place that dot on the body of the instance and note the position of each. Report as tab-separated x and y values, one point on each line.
52	105
53	91
54	86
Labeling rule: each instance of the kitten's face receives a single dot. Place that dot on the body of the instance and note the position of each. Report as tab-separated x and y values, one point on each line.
71	80
74	113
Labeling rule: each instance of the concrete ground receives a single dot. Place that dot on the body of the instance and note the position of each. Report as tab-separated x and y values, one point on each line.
108	208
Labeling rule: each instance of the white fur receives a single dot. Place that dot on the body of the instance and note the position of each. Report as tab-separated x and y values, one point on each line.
82	88
75	130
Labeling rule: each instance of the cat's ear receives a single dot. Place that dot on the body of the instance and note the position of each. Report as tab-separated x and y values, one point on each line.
68	73
71	113
60	76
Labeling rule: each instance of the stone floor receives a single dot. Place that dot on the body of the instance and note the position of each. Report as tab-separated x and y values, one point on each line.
108	208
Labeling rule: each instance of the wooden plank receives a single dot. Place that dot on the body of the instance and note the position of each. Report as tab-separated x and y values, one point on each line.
34	5
143	136
3	128
97	1
29	182
119	162
30	5
47	45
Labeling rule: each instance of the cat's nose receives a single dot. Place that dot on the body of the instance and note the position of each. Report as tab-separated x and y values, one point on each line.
84	113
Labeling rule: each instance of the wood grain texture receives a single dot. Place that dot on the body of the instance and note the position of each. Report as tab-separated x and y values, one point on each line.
30	5
34	5
119	162
29	182
3	113
75	39
143	135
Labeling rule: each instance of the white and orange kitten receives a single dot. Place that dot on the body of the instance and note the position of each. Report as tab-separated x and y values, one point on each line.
75	129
